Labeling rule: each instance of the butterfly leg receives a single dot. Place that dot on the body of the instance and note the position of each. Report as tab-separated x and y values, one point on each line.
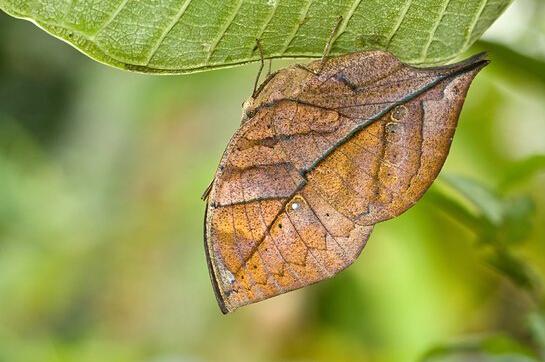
304	67
329	43
269	71
206	192
327	49
260	48
270	74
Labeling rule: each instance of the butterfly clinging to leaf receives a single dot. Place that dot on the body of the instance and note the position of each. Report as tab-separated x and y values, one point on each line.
324	152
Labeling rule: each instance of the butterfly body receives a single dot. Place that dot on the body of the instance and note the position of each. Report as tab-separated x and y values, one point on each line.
321	157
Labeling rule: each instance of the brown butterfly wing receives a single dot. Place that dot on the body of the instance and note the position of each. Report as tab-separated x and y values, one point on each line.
320	160
263	244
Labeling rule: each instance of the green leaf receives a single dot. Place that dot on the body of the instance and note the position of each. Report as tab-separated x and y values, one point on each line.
518	220
181	36
485	200
524	169
513	268
498	223
493	348
457	209
537	326
495	219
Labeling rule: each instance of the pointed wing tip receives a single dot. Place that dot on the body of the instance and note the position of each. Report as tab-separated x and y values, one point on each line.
476	62
480	56
480	59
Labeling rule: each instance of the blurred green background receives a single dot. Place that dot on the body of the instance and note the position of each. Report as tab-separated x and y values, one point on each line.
101	247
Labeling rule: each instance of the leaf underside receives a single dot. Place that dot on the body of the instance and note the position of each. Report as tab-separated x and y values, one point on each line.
182	36
320	159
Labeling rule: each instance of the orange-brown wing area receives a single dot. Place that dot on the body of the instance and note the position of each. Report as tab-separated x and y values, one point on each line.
317	164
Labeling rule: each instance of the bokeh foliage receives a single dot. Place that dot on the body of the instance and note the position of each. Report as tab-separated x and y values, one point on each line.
101	250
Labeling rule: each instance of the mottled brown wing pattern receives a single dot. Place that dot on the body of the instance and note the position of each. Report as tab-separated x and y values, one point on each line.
318	160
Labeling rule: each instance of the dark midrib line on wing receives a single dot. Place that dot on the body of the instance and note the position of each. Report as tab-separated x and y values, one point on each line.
367	122
470	64
351	134
256	199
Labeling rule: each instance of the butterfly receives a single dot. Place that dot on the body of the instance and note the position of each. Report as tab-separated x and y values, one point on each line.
324	152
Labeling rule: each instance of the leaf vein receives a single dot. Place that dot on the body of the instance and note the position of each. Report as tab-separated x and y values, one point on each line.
167	30
442	13
300	23
267	21
474	23
222	32
351	10
398	22
110	19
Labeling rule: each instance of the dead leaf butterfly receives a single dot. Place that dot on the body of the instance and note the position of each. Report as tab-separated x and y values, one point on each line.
323	154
